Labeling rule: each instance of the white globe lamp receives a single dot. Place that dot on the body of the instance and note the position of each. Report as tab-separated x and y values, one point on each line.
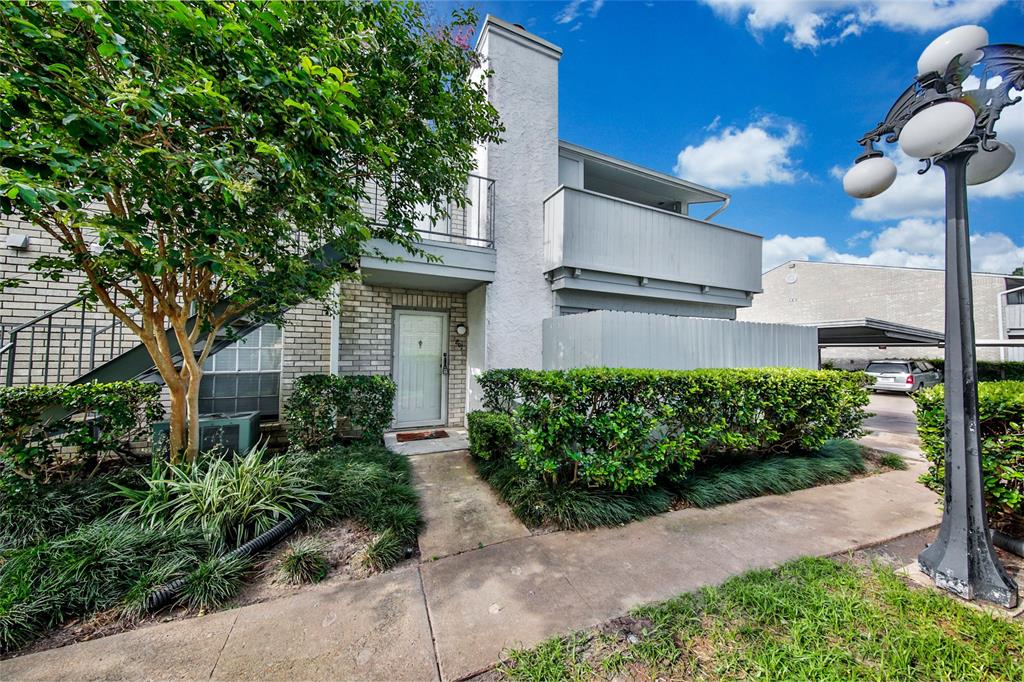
937	130
869	177
966	41
985	165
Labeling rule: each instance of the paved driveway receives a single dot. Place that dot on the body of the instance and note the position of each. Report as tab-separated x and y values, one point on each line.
893	426
894	413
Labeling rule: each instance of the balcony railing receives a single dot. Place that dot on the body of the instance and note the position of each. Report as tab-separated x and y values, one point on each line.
469	225
590	231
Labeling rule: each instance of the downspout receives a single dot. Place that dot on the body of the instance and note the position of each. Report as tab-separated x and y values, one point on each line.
717	211
335	342
999	318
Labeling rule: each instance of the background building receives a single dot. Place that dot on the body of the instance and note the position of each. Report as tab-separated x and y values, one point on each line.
805	292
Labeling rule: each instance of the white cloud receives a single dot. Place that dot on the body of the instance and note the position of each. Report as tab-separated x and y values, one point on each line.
572	9
759	154
913	242
811	23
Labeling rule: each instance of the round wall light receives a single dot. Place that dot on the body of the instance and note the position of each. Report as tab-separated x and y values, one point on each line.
460	329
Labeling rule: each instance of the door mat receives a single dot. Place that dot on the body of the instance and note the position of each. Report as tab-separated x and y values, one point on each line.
407	436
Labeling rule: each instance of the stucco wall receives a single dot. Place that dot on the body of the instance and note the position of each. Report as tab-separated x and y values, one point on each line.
839	291
524	89
476	355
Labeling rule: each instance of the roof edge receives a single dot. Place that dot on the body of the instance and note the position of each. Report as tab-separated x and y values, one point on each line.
519	34
885	267
637	168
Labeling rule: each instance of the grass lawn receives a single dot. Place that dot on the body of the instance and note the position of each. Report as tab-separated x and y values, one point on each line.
810	619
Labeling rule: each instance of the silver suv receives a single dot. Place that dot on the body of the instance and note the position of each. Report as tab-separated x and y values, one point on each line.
904	376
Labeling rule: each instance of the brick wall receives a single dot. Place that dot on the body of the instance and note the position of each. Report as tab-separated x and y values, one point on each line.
366	323
365	346
366	329
36	295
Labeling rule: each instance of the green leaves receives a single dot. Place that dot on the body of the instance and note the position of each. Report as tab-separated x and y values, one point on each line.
1001	425
322	406
185	122
621	428
107	417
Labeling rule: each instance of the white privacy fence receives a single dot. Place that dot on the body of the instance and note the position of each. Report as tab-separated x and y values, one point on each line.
604	338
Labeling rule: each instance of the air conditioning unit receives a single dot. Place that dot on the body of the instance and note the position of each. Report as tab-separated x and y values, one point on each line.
227	432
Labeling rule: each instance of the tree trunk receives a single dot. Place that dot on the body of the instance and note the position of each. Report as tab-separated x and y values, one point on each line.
176	431
195	377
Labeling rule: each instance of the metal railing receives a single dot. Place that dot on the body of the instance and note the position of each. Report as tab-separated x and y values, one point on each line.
469	225
61	344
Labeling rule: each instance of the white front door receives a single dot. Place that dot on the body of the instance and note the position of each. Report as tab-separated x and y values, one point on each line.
420	356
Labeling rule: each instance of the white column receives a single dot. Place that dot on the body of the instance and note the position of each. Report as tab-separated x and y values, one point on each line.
524	90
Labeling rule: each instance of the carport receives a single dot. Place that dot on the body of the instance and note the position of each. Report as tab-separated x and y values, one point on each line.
871	332
868	332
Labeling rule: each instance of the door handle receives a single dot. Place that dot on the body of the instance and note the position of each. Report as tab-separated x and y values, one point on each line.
444	363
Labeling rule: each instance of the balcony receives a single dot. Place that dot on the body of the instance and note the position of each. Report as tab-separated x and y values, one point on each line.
463	241
598	246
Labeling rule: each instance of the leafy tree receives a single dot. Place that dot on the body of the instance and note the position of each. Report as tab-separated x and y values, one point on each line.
1018	272
200	161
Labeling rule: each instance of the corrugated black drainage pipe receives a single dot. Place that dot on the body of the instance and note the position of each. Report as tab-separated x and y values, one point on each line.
1010	544
164	595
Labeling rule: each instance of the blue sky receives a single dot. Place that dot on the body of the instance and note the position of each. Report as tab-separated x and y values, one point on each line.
765	100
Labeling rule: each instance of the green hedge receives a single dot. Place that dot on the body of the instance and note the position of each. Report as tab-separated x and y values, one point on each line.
1001	424
621	428
490	434
991	370
323	406
104	419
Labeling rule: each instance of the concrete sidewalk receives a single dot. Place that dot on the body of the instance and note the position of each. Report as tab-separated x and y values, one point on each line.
893	426
454	616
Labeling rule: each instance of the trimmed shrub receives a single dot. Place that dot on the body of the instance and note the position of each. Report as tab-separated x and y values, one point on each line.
104	419
536	503
490	434
621	428
323	406
232	500
1001	427
991	370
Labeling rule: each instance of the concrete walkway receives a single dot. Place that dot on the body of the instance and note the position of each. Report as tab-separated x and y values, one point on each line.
461	511
454	616
893	426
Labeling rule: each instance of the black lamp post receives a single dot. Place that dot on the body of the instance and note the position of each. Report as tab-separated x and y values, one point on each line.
940	122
